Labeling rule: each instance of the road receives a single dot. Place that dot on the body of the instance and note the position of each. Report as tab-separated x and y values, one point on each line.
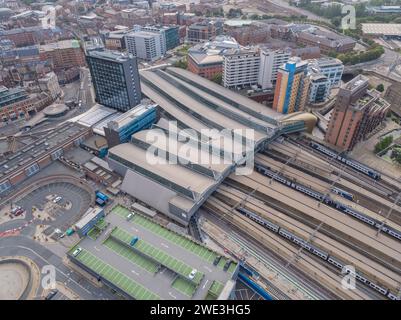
382	65
310	15
23	246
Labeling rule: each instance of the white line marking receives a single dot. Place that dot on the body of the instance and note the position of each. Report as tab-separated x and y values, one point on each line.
96	248
207	268
164	245
134	272
205	284
171	295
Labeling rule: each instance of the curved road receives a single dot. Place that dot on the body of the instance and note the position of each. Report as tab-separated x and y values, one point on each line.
23	246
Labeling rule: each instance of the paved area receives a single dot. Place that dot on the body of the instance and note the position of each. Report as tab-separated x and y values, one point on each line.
41	256
155	262
75	201
363	152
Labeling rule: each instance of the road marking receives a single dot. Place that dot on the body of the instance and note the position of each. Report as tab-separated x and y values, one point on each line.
134	272
164	245
205	284
207	268
96	248
171	295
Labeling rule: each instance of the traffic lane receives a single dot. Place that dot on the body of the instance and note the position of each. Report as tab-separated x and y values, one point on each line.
22	246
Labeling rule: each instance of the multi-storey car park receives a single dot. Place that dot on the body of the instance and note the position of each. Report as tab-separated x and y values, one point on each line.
141	259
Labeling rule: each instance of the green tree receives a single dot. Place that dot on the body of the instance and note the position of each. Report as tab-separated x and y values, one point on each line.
183	64
380	87
383	144
218	77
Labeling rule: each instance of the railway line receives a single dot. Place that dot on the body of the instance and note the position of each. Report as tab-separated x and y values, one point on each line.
386	183
286	251
364	201
374	270
323	213
326	167
289	285
380	245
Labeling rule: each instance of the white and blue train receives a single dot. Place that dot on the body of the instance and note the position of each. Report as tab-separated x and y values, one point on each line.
352	163
314	250
343	193
330	202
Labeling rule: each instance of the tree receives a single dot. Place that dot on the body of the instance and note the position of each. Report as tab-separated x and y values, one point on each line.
218	77
383	144
183	64
380	87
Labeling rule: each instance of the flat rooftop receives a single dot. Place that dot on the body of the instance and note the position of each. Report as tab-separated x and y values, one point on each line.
140	158
48	143
385	29
113	56
157	266
190	98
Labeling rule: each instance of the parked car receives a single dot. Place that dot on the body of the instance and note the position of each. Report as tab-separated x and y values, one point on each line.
57	199
192	274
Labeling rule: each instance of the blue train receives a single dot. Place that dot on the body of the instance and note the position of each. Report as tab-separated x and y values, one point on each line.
314	250
330	202
352	163
343	193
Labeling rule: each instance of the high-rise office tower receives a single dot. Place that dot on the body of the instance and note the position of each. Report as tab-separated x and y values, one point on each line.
292	86
115	79
357	112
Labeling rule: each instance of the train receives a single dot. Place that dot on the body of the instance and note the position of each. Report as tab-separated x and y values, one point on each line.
351	163
343	193
316	251
330	202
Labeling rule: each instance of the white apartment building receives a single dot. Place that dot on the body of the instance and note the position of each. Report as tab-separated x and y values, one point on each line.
270	61
332	68
157	30
241	68
50	84
144	45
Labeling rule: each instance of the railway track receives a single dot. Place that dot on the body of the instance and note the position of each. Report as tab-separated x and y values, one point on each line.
386	183
303	262
364	201
383	248
321	240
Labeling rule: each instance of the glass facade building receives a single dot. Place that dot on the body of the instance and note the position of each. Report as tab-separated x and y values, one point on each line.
115	79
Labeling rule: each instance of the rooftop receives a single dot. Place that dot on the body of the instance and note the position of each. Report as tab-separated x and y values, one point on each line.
63	44
158	265
88	216
158	166
113	56
391	29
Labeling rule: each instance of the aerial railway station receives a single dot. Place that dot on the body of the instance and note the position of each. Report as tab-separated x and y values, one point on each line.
187	99
305	230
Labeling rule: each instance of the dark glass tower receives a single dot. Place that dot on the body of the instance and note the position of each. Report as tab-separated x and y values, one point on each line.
115	79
